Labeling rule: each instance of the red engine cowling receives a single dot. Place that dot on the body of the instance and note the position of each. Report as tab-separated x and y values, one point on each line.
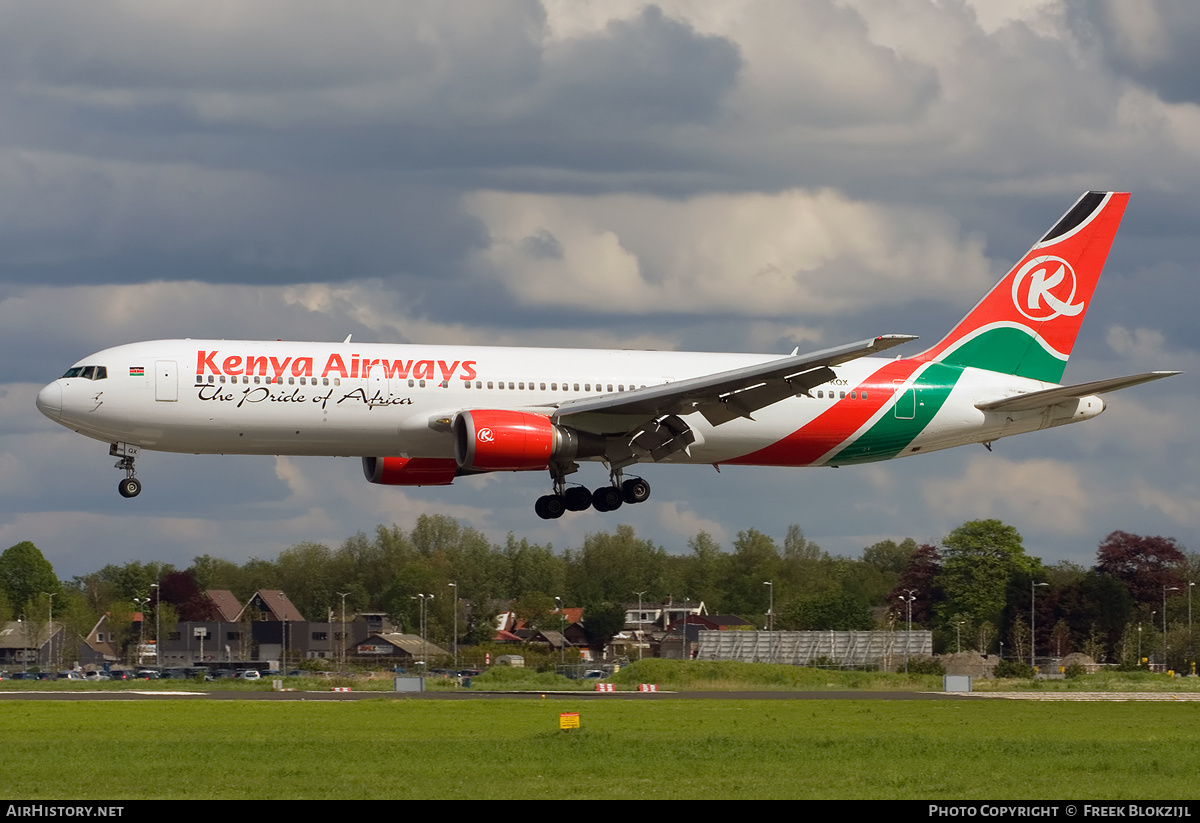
410	471
498	440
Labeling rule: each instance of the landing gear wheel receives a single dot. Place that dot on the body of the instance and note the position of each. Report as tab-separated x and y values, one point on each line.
635	490
549	507
130	487
577	499
607	499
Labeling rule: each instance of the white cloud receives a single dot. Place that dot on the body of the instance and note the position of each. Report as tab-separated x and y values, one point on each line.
1135	343
1181	505
758	254
1045	494
687	524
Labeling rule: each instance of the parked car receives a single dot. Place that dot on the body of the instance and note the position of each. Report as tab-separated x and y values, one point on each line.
70	674
249	674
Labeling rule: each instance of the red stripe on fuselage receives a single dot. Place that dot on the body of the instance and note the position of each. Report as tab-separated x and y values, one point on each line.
835	425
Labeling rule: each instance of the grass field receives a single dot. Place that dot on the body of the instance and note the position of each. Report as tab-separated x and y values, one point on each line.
512	748
672	675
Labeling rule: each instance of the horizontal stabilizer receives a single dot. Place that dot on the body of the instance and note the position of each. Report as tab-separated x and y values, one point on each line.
1050	397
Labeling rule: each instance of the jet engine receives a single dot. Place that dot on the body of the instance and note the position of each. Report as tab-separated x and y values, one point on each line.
410	471
500	440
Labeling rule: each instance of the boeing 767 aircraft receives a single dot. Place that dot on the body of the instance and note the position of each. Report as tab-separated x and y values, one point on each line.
423	415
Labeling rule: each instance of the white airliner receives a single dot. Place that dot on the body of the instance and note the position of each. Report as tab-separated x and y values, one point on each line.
423	415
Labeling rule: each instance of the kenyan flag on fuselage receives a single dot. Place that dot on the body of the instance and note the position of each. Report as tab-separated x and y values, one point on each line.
1028	323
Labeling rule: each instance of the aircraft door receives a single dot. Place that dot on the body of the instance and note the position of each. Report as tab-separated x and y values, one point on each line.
166	381
379	391
906	401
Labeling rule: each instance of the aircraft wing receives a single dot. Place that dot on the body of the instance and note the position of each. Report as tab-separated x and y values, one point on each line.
727	395
1049	397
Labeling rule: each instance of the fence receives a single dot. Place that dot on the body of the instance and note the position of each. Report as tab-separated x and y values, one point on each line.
885	649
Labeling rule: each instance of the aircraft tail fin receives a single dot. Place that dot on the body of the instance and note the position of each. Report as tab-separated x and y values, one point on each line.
1027	324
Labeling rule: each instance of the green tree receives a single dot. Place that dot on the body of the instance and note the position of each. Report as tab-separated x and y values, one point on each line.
611	567
978	560
24	574
888	556
215	573
755	559
600	622
833	610
536	609
699	575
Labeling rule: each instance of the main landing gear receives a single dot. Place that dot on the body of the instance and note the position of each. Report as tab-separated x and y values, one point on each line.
129	486
604	499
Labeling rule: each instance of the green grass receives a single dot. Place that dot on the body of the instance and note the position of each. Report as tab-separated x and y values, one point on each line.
668	675
726	675
626	749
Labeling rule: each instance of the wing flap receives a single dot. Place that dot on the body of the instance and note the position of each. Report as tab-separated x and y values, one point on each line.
1049	397
734	393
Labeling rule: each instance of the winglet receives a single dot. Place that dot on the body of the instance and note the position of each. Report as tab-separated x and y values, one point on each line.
886	341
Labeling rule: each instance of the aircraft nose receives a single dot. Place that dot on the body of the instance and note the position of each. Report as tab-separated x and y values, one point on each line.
49	401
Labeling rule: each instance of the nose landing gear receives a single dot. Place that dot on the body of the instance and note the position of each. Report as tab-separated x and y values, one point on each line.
126	453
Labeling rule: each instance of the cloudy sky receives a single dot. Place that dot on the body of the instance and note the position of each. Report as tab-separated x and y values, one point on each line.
738	176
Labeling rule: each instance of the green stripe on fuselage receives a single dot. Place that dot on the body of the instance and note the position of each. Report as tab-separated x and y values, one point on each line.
890	434
1009	351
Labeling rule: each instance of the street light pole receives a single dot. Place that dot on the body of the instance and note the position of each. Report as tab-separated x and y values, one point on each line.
283	636
908	601
770	619
641	628
562	621
425	598
1164	610
141	602
157	626
50	629
342	643
683	649
1033	624
455	638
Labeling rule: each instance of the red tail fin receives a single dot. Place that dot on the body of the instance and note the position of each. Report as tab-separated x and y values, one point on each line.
1028	322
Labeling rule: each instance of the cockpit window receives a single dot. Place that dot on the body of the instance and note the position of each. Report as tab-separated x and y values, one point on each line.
88	372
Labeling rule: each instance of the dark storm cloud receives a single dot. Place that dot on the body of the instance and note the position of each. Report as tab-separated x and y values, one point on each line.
650	70
73	222
260	145
437	86
1153	42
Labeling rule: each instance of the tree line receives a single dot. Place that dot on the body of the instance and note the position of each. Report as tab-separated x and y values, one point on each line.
978	589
